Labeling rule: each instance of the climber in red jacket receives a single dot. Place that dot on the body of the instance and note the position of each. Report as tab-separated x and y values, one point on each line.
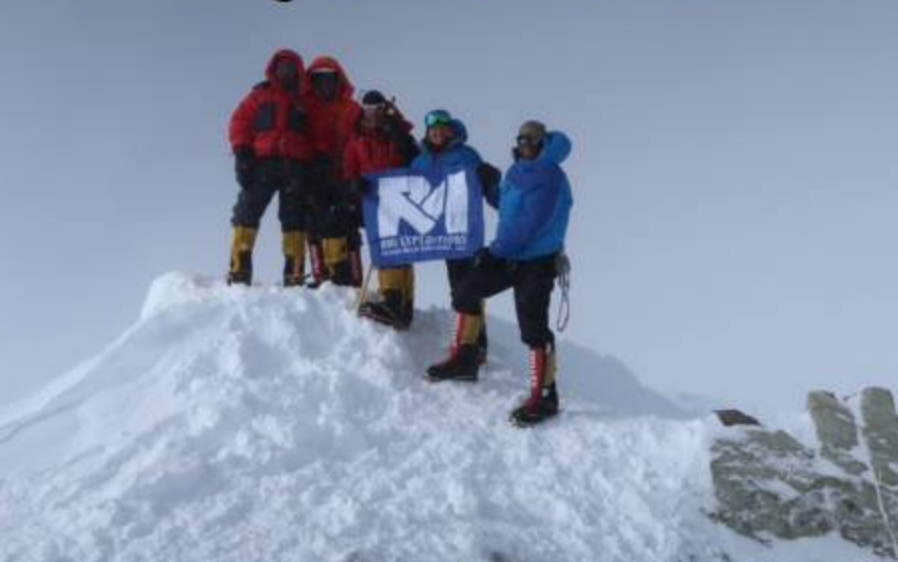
272	138
383	140
334	243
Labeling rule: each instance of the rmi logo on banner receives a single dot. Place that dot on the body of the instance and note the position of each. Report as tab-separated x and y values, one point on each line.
410	219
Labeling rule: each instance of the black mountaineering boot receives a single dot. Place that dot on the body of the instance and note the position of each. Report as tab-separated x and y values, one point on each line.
461	366
482	346
242	276
463	363
407	313
387	311
341	274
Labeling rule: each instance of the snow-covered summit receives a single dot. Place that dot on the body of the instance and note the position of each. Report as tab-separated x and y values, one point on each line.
262	423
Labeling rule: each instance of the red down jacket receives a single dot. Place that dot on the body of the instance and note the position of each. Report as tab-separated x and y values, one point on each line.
372	151
333	122
274	121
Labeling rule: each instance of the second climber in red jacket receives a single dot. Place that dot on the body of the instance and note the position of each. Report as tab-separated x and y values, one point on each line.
271	136
334	243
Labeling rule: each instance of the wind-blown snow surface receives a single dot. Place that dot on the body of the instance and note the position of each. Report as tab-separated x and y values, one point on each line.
268	424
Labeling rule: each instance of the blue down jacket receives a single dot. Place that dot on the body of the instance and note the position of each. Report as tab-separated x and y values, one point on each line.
435	165
534	204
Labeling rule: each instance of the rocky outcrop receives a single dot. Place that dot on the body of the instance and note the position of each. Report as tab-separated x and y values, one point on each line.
881	433
770	485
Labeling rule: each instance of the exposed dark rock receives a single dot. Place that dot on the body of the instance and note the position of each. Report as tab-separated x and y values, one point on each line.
730	418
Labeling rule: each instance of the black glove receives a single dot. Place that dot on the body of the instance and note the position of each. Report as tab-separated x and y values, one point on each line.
392	121
359	187
484	258
357	217
354	240
351	216
489	176
321	167
245	166
298	175
390	128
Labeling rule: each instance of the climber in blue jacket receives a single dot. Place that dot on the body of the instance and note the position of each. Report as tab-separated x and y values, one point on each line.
444	149
534	207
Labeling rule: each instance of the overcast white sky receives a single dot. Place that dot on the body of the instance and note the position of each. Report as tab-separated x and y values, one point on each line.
734	166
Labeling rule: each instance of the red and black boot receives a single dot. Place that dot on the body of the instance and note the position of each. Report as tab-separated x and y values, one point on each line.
463	362
543	401
355	260
316	257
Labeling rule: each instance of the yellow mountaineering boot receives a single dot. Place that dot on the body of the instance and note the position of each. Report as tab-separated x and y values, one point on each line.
294	245
241	271
336	260
407	312
394	306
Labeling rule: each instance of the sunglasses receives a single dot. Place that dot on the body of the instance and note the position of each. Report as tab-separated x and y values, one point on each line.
437	118
525	141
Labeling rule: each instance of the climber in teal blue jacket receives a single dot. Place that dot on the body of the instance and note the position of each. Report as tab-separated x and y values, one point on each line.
444	149
534	207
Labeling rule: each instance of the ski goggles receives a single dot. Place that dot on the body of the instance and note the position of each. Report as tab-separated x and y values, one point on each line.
437	118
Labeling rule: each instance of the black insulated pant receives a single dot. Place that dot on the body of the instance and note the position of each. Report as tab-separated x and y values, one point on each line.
288	179
532	281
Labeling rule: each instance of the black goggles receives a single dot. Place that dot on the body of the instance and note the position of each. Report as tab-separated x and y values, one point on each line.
325	77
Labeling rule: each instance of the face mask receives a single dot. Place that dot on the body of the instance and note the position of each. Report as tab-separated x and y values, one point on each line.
325	85
286	72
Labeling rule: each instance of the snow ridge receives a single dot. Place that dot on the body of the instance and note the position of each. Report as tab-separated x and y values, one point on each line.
262	423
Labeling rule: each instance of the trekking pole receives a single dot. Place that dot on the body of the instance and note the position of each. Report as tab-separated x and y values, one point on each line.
363	292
